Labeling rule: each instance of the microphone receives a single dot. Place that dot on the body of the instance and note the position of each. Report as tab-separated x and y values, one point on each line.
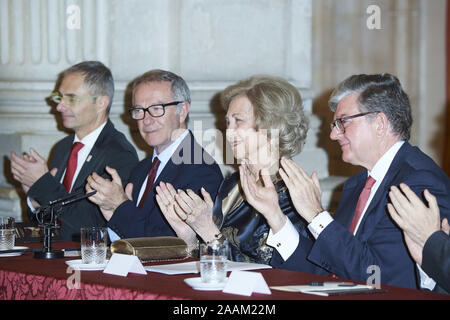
47	218
59	203
83	196
70	196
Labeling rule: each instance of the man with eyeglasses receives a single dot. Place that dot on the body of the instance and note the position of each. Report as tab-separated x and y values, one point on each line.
84	98
372	121
161	102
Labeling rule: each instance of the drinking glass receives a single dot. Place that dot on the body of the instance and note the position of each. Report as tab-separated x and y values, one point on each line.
94	241
7	233
213	261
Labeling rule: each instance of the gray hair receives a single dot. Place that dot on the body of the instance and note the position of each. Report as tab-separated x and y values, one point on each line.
97	78
277	104
180	90
378	93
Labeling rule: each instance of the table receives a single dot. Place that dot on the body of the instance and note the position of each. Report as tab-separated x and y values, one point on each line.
24	277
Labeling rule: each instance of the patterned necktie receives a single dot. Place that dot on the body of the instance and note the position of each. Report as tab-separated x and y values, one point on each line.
150	180
363	197
72	165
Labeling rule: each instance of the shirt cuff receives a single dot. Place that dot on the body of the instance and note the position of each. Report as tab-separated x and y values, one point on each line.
425	281
285	241
319	223
30	205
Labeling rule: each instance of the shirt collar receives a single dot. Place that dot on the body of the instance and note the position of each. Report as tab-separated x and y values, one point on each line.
90	139
382	166
167	153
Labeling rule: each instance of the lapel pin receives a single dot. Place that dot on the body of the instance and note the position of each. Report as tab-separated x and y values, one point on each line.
89	158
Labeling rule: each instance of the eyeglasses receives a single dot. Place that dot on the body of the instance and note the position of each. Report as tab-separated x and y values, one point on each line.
155	110
70	100
339	122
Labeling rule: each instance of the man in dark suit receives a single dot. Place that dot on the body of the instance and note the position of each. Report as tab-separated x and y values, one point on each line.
161	102
372	123
84	98
428	242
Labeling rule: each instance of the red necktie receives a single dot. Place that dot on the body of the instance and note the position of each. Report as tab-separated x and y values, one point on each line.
363	197
72	165
150	180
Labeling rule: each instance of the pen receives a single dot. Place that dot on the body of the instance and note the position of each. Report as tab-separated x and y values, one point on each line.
339	284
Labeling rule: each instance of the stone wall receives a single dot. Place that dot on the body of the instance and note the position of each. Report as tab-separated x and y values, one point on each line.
212	44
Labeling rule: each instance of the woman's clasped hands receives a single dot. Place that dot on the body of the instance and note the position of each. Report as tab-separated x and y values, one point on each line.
187	212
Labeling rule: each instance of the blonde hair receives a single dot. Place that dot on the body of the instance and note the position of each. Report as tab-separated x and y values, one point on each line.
276	105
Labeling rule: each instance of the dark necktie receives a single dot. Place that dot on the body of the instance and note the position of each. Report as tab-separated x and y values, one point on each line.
72	165
150	180
363	197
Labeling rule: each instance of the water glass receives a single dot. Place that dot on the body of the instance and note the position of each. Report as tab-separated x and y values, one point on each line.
94	241
213	261
7	233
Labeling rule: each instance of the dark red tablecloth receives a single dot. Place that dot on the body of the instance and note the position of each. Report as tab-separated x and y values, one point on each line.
24	277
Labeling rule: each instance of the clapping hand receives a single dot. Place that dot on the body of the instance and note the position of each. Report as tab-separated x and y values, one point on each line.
110	193
417	221
197	212
263	198
304	190
165	197
190	208
28	168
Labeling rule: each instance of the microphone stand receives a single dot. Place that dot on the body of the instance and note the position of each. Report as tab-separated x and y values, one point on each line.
47	218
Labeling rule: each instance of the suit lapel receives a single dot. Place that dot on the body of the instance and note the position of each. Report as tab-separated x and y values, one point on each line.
170	171
140	176
95	157
380	197
349	199
61	158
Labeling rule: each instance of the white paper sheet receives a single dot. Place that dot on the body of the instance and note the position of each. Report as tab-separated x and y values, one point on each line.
328	288
194	267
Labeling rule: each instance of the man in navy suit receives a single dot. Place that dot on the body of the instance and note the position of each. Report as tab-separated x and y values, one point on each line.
161	102
84	98
372	120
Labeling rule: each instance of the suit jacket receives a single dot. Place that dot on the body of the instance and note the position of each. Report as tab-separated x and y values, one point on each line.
378	244
245	228
190	167
111	149
436	259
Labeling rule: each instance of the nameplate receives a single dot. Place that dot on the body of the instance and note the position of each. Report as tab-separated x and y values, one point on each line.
122	264
245	283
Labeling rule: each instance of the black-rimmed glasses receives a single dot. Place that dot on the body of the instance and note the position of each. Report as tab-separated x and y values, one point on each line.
155	110
339	122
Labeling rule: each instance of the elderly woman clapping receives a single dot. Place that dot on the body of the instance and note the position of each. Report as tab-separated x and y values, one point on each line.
265	121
